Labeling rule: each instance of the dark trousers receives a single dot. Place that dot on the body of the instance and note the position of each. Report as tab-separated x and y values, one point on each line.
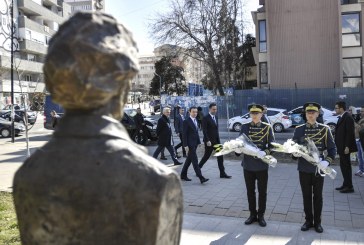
191	158
180	145
141	135
312	184
262	180
345	166
206	156
169	148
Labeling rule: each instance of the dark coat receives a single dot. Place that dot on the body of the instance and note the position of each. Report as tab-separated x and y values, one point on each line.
345	134
178	124
139	121
164	131
210	130
190	134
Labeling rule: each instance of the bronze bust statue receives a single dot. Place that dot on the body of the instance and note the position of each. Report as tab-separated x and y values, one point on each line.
90	184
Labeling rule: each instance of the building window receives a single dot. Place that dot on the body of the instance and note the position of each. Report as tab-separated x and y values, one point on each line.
352	72
262	36
350	29
348	1
263	72
31	57
28	78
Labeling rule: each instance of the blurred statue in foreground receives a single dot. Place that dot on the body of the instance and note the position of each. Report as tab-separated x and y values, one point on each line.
90	184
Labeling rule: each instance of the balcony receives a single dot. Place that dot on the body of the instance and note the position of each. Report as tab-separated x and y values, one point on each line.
22	65
25	22
32	8
32	47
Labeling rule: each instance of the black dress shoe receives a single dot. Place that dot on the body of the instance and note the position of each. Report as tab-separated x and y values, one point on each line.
262	222
225	176
318	228
163	158
185	178
347	190
340	188
306	226
203	180
251	219
178	163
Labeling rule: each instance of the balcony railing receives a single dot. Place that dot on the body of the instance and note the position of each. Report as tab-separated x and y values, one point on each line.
25	22
28	6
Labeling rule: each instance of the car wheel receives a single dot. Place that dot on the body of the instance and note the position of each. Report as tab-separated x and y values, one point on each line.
237	127
141	141
332	127
278	127
5	132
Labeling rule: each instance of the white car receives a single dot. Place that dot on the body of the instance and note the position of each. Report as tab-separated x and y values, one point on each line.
279	120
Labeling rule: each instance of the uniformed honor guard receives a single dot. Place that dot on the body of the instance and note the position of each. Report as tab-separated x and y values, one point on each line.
254	168
310	179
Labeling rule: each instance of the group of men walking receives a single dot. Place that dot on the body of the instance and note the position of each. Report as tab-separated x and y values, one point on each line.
187	130
261	134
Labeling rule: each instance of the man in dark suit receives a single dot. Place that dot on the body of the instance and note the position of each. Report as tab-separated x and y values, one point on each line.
265	116
345	143
178	127
164	133
191	140
210	129
140	125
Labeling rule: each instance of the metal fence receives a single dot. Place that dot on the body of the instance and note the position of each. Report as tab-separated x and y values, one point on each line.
236	104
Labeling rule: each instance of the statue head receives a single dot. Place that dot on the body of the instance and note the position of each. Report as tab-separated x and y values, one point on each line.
90	63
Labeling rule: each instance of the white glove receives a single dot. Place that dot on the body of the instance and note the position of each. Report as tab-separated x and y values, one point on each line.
261	154
208	143
140	131
324	164
296	154
239	150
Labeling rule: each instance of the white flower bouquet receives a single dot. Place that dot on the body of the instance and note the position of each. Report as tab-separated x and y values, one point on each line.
244	145
309	152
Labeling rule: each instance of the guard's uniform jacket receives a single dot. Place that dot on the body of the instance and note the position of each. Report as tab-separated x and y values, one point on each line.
322	137
262	136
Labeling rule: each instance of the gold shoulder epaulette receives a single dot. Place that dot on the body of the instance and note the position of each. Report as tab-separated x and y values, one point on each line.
266	123
300	125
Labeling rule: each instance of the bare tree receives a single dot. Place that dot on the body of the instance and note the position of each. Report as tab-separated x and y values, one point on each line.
206	28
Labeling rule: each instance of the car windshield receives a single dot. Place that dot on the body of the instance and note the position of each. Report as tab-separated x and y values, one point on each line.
130	112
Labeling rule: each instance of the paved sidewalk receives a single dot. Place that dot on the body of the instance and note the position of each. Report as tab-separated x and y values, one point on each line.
216	210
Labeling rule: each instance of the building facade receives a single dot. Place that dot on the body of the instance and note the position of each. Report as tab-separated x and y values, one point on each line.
86	5
309	44
35	22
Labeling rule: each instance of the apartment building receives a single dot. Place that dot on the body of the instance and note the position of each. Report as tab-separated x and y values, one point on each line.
35	22
86	5
141	82
309	44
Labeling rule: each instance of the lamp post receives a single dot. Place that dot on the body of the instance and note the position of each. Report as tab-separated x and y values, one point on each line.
12	68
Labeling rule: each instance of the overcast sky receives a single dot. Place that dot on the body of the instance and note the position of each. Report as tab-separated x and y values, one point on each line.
135	14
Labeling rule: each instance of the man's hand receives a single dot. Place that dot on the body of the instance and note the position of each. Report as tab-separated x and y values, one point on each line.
296	154
324	164
140	131
261	154
208	143
239	150
187	149
346	151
